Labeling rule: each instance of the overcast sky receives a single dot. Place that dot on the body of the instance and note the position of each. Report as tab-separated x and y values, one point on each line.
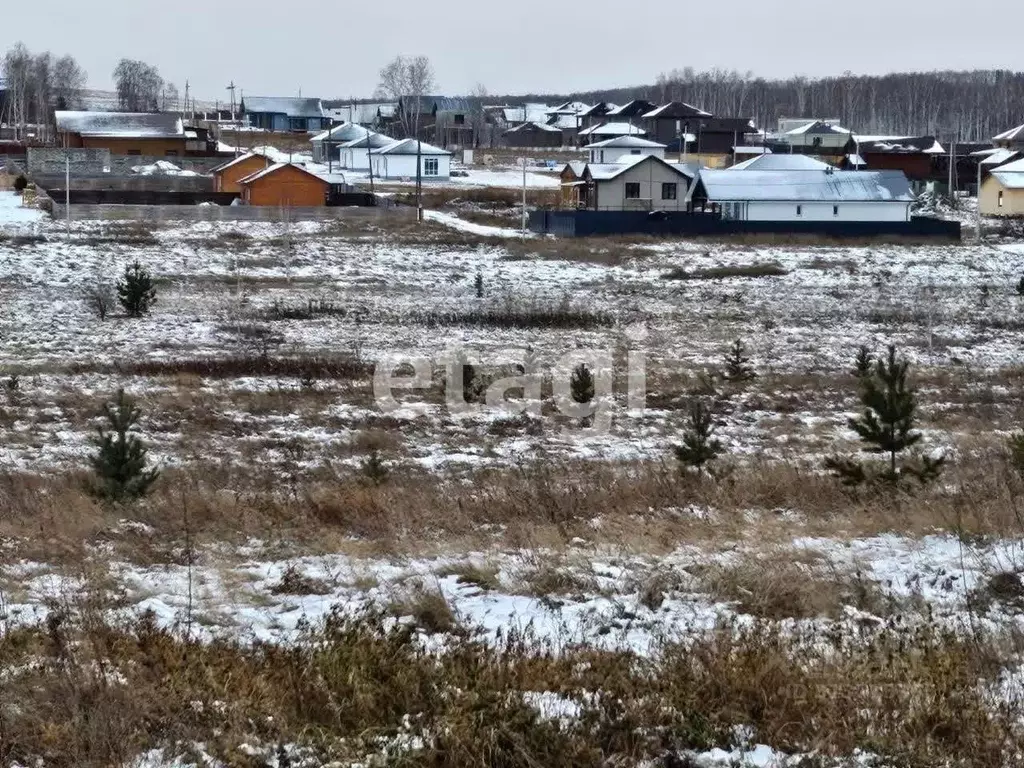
335	48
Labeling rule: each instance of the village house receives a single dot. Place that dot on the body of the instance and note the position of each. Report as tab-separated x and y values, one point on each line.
795	196
228	177
670	122
916	156
326	145
611	131
123	133
398	161
817	134
1002	193
531	135
640	183
615	149
630	111
1011	139
368	114
285	185
571	179
285	115
596	114
356	154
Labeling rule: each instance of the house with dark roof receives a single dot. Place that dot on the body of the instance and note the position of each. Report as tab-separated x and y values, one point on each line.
285	115
123	133
673	120
632	110
531	135
918	157
1011	139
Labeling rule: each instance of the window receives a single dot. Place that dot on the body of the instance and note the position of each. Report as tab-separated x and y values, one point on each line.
632	190
835	210
669	191
171	153
460	119
1000	199
430	166
634	151
799	210
134	152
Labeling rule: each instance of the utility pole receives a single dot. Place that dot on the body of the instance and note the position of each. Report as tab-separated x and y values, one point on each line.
67	189
231	89
978	198
525	215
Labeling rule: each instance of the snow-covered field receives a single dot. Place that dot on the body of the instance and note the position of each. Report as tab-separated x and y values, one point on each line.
255	293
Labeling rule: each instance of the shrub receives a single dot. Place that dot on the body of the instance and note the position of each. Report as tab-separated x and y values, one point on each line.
737	364
136	291
770	269
99	298
20	184
581	384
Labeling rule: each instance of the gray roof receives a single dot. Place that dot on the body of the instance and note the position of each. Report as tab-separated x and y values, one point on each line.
408	147
626	142
374	141
283	106
1014	134
1010	180
806	186
161	125
781	162
608	171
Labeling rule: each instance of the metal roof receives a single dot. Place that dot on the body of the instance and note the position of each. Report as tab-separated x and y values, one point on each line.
283	106
274	169
408	147
161	125
677	110
241	158
809	186
780	162
816	127
373	140
340	133
1010	180
1015	167
626	142
608	171
1011	135
538	126
614	129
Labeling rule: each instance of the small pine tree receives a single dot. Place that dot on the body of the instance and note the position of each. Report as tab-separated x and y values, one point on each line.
479	285
1020	286
121	457
136	291
699	444
20	184
863	363
1015	448
581	385
886	426
737	364
374	469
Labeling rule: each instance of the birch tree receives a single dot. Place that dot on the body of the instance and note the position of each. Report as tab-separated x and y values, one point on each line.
407	79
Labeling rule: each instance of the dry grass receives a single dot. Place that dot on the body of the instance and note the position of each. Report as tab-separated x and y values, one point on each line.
765	269
81	692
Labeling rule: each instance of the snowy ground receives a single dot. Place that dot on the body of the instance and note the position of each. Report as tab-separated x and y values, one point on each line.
240	290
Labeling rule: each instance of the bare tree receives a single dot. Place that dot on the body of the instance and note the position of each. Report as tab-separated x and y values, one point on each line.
170	99
68	83
17	70
406	79
138	86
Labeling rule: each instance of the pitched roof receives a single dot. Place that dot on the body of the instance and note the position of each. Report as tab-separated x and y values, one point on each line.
283	106
569	108
1010	180
565	121
806	186
1015	167
271	170
900	144
676	110
343	132
535	126
240	159
999	157
161	125
600	109
614	129
1014	134
408	147
626	142
780	162
634	108
608	171
528	113
373	141
815	128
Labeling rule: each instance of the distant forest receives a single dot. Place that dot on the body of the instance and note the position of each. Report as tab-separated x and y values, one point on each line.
965	106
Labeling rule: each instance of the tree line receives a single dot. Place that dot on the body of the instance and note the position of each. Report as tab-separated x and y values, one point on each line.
39	84
965	105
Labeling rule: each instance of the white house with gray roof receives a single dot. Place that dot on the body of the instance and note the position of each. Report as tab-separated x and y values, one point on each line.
612	150
397	160
805	195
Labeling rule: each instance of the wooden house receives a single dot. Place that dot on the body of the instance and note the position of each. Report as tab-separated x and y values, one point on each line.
571	179
285	185
532	135
123	133
228	176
